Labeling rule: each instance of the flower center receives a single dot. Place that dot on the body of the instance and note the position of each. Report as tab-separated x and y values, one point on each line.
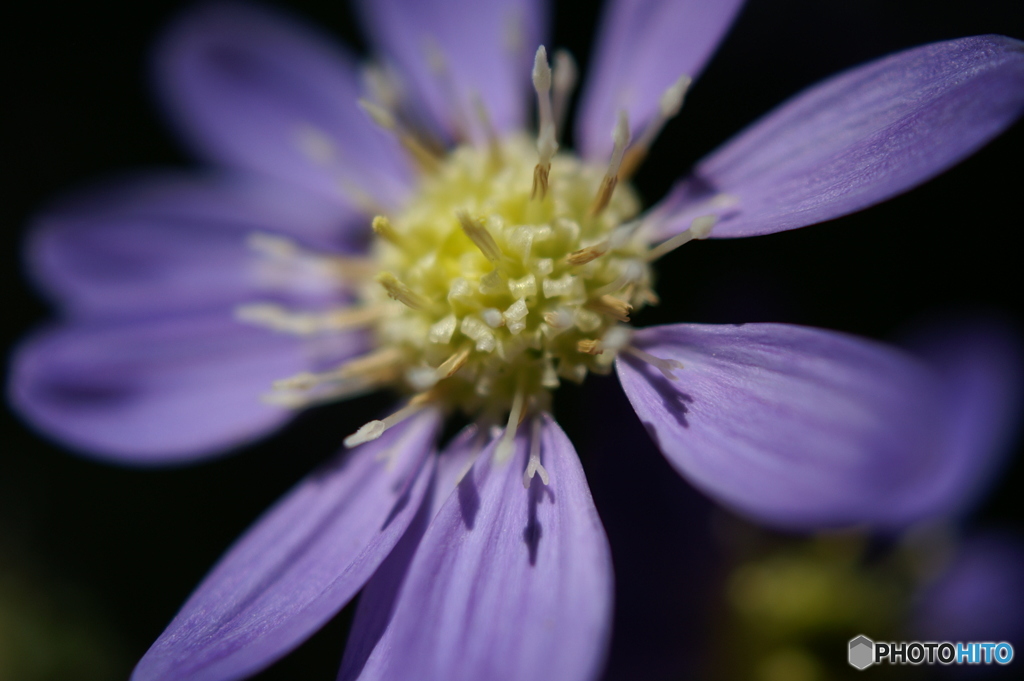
510	268
499	292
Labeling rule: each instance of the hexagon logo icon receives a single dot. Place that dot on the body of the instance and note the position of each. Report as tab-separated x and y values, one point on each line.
862	652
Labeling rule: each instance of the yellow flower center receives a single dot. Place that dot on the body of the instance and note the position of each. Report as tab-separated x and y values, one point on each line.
497	291
510	268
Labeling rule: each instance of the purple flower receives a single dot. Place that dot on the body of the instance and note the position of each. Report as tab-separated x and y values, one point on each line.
498	269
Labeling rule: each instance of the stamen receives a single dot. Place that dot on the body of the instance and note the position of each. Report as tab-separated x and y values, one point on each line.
665	366
588	254
439	68
564	82
326	392
421	153
621	137
400	292
279	318
632	272
559	318
613	307
374	429
533	466
668	108
547	137
549	377
315	144
590	346
284	250
700	228
370	363
374	365
451	365
652	223
382	85
272	245
479	235
491	135
616	338
504	449
383	228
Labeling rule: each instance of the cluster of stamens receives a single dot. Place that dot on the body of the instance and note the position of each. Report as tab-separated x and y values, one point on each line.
511	268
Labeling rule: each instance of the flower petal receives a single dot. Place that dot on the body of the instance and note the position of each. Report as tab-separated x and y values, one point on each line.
794	426
516	584
977	596
368	650
257	90
487	50
858	138
155	391
980	360
170	243
643	47
300	563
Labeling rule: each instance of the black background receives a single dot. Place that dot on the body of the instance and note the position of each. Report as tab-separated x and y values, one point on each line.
127	546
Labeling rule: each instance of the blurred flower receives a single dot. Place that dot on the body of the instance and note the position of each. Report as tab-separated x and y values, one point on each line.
499	269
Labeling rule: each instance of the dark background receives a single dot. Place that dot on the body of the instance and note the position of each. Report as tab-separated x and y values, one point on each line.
95	560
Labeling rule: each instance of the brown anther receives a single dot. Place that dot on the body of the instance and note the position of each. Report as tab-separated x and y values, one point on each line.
420	399
400	292
352	268
556	320
604	195
588	254
479	235
371	363
425	158
611	306
451	365
649	297
590	346
632	160
540	180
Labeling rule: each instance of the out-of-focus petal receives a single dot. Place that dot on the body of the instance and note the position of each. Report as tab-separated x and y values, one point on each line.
508	583
453	50
171	243
858	138
980	360
255	89
643	47
793	426
977	596
368	649
300	563
155	391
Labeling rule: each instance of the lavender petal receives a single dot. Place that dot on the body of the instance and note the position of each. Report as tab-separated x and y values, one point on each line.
515	583
300	563
369	646
643	47
792	426
171	243
486	49
257	90
857	139
155	391
979	358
